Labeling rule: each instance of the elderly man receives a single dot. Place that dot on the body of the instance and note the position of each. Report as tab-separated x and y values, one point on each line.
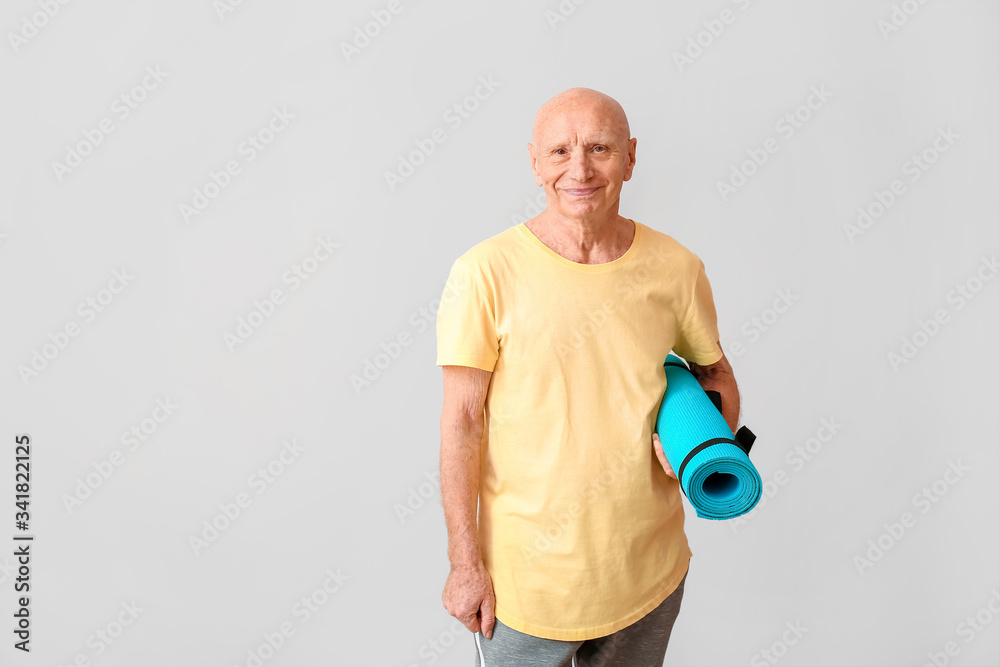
552	337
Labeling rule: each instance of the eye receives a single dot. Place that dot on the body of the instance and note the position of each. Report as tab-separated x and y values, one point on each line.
560	151
600	149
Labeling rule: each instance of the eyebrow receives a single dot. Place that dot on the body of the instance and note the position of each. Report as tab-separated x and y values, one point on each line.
600	141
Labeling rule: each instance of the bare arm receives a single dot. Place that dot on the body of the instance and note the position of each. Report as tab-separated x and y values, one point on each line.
462	423
468	593
719	377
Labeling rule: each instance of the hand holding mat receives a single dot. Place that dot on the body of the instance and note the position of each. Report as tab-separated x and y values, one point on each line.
712	465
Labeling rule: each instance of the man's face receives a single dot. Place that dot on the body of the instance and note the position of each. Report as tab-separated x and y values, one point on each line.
581	155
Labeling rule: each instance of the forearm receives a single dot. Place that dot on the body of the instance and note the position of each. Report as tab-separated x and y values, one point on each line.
461	440
726	386
719	377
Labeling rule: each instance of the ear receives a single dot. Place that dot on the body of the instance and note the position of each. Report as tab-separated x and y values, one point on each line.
631	159
534	164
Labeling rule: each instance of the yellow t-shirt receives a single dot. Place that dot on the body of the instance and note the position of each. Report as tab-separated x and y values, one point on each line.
582	532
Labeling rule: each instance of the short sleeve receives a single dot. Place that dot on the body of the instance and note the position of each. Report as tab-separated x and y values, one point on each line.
466	321
698	333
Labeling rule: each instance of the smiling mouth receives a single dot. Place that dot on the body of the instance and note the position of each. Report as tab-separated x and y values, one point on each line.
581	192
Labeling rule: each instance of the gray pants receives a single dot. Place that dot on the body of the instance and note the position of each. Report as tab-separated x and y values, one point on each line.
642	644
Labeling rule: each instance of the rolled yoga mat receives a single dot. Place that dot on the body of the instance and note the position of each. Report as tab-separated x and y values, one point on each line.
712	465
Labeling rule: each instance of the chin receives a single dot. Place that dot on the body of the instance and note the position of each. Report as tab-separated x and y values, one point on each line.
584	207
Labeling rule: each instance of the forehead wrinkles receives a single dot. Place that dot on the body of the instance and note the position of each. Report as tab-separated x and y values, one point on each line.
587	115
554	143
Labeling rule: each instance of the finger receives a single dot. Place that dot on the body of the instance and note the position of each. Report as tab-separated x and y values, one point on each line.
667	468
489	619
659	452
472	623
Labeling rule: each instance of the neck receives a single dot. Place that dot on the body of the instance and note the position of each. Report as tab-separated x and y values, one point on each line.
586	240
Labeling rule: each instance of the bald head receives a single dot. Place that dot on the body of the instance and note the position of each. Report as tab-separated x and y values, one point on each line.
581	102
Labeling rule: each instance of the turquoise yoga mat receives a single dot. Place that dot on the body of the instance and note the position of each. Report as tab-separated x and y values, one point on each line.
712	464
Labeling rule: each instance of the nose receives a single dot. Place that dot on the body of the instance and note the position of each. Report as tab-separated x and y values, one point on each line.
580	168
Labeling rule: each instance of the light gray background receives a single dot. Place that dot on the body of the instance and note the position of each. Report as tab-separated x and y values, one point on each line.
366	453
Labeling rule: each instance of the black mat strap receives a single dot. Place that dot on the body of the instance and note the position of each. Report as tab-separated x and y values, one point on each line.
745	439
691	454
716	399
